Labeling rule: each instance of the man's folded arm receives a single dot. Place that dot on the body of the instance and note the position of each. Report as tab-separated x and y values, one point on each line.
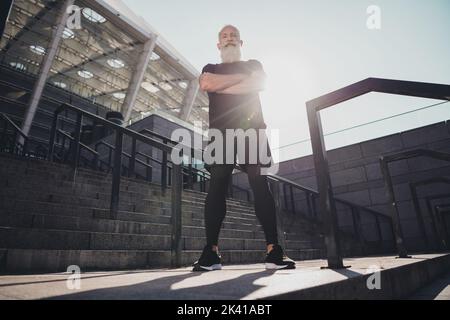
253	83
211	82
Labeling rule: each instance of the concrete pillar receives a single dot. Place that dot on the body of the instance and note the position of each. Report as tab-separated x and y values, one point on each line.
45	68
189	99
5	9
136	80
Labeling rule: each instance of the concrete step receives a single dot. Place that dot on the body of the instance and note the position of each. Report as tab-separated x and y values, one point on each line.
99	221
27	238
27	261
16	172
7	195
65	188
79	185
47	208
144	206
116	226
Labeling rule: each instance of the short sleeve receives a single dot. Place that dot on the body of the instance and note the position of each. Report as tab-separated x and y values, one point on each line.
208	68
255	65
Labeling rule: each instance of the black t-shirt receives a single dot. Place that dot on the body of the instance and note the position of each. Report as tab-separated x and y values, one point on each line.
227	111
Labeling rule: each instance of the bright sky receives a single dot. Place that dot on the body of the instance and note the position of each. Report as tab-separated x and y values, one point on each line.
312	47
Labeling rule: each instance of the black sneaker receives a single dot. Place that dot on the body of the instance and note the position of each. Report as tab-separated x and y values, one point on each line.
276	260
209	261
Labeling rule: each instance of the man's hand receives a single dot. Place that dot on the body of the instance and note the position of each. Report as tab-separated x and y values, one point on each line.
211	82
253	83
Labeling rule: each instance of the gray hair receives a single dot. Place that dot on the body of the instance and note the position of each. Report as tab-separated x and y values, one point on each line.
230	26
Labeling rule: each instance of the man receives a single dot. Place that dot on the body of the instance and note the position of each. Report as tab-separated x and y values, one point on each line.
233	88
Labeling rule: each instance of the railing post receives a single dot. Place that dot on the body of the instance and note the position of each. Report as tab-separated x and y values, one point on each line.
176	219
164	170
326	196
25	146
169	176
190	171
445	233
357	228
149	171
437	232
379	233
132	160
116	174
110	159
51	146
76	153
393	208
419	216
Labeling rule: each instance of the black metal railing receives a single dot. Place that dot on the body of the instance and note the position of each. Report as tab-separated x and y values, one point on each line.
13	140
130	169
327	203
190	172
372	222
441	239
117	154
10	133
435	223
443	212
372	229
384	164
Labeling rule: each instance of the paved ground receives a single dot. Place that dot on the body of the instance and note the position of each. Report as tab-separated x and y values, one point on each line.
233	282
438	290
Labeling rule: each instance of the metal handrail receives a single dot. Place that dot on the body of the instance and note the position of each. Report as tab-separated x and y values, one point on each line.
120	132
326	200
16	129
356	209
129	156
387	178
191	169
434	224
68	136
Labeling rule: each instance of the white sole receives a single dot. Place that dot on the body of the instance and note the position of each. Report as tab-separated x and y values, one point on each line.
273	266
212	268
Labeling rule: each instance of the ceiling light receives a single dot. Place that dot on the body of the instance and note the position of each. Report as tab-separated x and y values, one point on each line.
149	87
60	84
18	66
119	95
165	86
183	84
38	50
68	34
93	16
85	74
116	63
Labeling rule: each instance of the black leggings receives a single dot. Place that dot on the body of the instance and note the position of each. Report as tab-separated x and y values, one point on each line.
215	208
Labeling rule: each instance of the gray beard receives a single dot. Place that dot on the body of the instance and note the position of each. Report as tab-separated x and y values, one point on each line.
231	54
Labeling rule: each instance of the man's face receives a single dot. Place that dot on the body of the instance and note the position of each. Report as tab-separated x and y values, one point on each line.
230	45
229	37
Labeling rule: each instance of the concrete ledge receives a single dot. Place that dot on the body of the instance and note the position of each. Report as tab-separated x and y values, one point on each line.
399	278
